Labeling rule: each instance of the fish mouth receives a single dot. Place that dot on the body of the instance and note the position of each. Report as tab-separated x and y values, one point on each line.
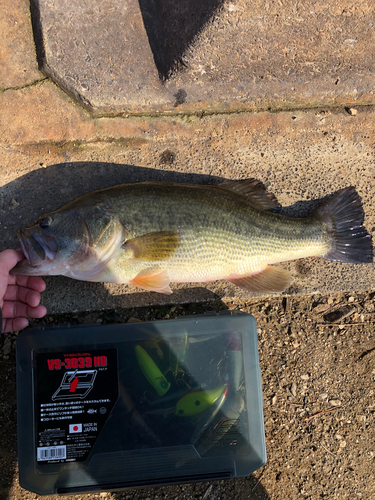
33	248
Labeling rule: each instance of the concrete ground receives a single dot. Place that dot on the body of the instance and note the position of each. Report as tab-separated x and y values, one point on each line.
280	92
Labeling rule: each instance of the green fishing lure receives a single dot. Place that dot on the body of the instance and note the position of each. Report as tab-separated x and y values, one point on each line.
197	402
151	371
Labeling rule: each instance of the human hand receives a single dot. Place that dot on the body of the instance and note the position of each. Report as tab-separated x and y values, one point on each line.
19	295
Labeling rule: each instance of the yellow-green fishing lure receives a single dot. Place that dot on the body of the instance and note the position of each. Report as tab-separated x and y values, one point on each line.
197	402
151	371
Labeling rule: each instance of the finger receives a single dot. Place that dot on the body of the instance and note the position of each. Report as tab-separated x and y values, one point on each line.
8	259
14	324
33	282
22	294
14	309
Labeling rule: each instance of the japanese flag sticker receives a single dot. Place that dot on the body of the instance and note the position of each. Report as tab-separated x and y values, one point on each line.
75	428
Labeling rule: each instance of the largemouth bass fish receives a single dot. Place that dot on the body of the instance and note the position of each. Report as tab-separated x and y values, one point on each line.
152	234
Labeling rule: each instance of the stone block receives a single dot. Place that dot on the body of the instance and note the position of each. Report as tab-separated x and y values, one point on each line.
160	56
18	65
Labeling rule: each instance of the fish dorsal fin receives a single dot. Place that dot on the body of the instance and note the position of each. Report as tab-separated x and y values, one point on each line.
254	191
153	246
153	280
271	279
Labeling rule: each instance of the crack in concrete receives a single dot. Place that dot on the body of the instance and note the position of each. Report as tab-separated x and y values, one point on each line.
185	113
202	113
34	83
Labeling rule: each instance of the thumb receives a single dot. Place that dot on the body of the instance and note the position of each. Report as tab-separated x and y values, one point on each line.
8	259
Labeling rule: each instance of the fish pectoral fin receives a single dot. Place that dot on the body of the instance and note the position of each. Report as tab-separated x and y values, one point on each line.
271	279
254	191
153	246
153	281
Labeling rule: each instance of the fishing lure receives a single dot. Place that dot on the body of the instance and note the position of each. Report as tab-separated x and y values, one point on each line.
192	404
151	371
197	402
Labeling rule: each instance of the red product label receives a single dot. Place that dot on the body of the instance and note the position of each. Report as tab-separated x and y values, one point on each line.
78	362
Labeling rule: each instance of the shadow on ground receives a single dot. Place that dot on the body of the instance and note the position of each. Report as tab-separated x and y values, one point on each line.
45	189
233	489
171	28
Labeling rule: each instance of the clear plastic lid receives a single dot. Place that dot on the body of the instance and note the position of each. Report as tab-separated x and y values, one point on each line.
140	404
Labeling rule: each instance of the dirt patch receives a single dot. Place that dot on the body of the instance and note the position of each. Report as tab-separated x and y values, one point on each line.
317	357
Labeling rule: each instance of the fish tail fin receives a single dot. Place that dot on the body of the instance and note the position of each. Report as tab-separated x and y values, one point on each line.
343	216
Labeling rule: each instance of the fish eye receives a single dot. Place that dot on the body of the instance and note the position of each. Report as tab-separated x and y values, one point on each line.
44	223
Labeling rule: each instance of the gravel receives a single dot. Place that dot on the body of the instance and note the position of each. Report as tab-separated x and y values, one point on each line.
318	384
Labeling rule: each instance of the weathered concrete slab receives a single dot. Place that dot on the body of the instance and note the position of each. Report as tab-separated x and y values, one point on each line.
120	57
98	52
42	112
18	65
302	156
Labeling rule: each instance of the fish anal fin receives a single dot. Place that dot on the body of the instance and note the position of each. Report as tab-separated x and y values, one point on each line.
153	280
153	246
271	279
254	191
